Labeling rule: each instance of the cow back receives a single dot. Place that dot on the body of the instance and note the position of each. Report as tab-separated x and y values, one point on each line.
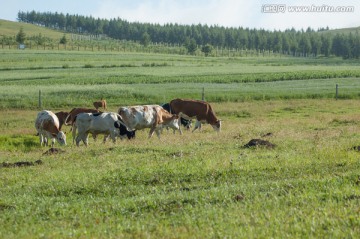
47	121
75	111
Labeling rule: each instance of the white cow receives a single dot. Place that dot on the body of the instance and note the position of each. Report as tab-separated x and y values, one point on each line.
47	125
148	116
96	123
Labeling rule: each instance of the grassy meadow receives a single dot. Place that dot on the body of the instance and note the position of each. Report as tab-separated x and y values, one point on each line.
197	185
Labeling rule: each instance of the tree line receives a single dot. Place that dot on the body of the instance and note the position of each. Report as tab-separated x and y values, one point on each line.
290	42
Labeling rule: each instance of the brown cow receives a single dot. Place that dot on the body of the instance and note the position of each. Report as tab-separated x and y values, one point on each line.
99	104
195	109
62	117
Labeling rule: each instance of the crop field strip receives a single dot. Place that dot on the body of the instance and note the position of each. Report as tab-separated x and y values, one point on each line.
143	78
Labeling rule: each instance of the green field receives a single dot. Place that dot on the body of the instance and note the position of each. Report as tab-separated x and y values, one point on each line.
70	79
197	185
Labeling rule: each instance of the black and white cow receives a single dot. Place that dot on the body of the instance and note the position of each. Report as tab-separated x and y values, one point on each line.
108	124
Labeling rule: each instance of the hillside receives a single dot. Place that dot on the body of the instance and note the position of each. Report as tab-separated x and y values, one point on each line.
343	30
9	28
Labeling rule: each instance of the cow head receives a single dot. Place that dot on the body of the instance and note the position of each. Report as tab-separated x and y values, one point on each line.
187	123
123	131
61	138
217	125
174	122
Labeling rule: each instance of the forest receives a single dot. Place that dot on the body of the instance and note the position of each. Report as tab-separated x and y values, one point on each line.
304	43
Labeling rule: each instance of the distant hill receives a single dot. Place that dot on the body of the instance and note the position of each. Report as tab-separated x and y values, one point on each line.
289	42
9	28
343	30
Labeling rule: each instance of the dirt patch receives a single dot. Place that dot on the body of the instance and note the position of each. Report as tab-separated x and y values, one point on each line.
267	135
259	143
239	197
53	151
21	164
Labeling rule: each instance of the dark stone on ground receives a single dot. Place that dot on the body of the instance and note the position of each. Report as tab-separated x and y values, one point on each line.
21	164
53	151
259	142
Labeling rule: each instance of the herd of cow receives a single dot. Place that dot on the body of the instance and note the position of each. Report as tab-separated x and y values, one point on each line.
125	122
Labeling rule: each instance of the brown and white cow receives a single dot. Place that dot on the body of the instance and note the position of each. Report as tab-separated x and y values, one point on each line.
99	104
148	116
62	117
195	109
47	125
70	119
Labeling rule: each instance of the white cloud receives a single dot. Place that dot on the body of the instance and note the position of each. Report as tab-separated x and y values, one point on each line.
214	12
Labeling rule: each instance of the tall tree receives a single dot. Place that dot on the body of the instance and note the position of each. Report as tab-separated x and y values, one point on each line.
326	44
191	46
20	37
146	39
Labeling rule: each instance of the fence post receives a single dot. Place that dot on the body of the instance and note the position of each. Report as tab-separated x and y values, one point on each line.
337	91
40	102
203	94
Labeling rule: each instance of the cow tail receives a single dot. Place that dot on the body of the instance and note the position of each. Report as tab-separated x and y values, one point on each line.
67	117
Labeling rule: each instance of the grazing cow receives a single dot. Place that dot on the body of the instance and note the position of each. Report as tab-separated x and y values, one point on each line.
186	123
148	116
47	126
99	123
62	115
200	110
99	104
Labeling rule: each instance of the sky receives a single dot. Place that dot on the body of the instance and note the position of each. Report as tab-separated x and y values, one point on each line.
259	14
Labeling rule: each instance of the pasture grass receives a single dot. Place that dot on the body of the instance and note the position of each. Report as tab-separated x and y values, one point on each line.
197	185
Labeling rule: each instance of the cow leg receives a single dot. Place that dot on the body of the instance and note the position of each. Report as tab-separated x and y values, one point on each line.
197	125
157	133
41	139
78	139
73	131
106	137
86	141
52	142
113	137
151	132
